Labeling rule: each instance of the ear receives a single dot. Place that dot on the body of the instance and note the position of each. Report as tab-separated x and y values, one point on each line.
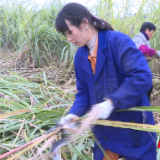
146	30
85	22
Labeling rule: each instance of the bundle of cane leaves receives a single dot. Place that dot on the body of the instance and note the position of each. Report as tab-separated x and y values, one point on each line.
82	144
27	110
86	122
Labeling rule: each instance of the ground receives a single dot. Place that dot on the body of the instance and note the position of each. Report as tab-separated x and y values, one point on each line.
59	77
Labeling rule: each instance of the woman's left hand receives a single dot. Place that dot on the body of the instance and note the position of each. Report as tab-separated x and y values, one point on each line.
102	110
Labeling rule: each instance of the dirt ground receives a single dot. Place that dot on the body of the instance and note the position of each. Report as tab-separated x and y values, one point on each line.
54	72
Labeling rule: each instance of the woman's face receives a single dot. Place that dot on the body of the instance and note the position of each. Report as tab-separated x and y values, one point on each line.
78	36
149	33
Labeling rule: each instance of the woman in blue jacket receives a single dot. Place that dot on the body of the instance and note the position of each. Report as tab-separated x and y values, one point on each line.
109	66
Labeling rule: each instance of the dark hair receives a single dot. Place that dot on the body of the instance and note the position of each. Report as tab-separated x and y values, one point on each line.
148	25
74	13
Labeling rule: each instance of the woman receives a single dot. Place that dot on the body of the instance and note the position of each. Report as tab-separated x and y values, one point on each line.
108	66
142	42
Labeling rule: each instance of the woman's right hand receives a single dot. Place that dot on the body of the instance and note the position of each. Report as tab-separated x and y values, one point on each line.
67	119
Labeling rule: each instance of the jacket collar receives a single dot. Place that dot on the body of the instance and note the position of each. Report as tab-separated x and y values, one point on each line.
141	35
145	34
85	64
102	45
102	40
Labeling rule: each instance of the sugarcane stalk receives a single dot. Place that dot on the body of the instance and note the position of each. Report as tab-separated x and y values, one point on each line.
30	144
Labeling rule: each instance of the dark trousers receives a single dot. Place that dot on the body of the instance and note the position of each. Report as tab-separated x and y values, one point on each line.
149	93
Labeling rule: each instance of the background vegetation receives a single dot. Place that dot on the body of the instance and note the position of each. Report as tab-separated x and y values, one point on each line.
26	28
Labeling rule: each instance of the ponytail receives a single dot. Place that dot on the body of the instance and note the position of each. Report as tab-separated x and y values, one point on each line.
101	24
75	13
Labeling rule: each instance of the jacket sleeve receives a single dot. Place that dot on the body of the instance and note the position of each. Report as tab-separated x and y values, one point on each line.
136	72
81	104
147	51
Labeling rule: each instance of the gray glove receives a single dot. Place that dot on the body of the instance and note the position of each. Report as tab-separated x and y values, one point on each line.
67	119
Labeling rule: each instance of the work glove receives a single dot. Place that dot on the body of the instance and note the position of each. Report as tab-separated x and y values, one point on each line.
102	110
67	119
158	54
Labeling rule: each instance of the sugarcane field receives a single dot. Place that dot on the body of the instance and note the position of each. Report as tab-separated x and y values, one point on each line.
77	82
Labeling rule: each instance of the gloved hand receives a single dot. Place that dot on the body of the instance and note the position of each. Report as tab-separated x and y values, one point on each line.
68	118
103	110
158	54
